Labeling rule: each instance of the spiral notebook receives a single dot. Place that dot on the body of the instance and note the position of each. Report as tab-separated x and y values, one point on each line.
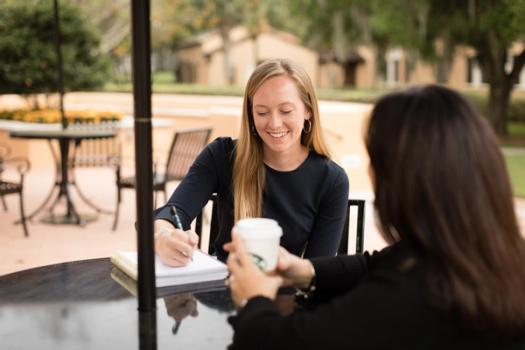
203	268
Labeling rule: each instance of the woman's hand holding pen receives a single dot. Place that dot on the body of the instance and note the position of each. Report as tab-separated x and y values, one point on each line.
174	246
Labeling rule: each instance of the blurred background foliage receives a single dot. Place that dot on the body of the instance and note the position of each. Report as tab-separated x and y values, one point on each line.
96	46
28	63
96	40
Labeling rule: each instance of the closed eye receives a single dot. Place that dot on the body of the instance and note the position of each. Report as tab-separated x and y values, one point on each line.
287	111
261	114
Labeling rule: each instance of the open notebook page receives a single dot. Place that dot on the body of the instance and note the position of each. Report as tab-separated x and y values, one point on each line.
203	268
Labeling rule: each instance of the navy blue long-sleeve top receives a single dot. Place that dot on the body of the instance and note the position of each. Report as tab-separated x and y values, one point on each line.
309	203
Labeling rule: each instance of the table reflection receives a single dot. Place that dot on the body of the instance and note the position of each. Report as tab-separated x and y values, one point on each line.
95	325
180	306
78	305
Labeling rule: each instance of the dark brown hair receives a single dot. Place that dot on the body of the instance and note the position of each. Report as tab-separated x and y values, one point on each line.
441	186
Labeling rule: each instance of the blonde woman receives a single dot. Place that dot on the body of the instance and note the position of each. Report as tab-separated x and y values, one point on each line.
278	168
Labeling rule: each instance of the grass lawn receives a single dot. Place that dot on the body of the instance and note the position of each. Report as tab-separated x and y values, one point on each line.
516	137
516	168
517	129
164	82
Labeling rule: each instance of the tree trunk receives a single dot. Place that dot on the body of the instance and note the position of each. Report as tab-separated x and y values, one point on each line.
350	74
498	106
492	59
255	49
225	34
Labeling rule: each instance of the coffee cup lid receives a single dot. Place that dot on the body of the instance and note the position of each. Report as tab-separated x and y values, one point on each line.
256	223
261	228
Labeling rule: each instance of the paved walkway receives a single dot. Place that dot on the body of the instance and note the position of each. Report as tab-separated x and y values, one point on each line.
520	212
57	243
513	151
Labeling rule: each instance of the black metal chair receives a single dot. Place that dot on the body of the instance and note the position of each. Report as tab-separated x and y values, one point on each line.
94	153
185	147
214	224
343	245
360	230
11	187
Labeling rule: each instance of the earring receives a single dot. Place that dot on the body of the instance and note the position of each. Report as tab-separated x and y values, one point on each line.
307	126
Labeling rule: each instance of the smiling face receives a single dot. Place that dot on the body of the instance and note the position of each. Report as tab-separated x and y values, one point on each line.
278	116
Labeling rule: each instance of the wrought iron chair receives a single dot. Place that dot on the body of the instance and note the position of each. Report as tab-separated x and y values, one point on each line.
94	153
185	147
343	245
360	230
11	187
214	224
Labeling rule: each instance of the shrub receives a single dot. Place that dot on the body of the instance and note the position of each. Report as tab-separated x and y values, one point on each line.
53	116
28	63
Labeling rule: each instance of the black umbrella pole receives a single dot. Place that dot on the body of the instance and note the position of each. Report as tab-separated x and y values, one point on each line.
60	65
140	10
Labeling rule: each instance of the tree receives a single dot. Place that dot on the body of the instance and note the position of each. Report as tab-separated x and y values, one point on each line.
332	27
112	18
176	20
181	19
491	27
28	63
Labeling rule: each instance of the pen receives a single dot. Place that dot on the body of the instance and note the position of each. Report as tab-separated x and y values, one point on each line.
178	224
175	327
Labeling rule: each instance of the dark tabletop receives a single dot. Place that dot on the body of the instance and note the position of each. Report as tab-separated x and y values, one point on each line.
78	305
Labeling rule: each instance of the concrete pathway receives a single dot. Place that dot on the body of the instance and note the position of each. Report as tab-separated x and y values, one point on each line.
513	151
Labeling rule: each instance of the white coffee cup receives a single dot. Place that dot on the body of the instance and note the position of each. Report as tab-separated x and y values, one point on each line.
261	238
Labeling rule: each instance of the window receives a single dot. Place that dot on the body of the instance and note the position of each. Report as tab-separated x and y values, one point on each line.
474	76
392	71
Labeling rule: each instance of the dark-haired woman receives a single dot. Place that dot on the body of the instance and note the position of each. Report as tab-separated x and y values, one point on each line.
453	276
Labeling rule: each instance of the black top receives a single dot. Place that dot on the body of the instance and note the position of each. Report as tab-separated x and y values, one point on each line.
371	303
309	202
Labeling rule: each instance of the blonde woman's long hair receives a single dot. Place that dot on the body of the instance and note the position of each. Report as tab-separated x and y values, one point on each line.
248	168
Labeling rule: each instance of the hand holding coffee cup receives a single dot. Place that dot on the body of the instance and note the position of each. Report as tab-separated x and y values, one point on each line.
248	279
261	238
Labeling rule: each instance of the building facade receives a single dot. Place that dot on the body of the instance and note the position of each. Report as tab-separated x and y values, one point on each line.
201	60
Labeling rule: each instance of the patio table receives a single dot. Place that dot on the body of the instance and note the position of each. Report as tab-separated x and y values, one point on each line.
64	137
